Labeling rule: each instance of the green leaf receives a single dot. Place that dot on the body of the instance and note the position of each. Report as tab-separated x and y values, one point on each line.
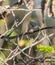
1	21
13	33
28	42
6	52
46	49
2	58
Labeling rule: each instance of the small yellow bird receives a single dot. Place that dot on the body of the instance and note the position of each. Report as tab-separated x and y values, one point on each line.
21	43
24	42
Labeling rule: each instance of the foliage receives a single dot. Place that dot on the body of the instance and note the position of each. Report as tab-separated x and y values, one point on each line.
46	49
1	21
18	18
13	33
2	57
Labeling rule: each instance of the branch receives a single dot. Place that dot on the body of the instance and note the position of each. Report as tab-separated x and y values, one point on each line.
31	32
27	47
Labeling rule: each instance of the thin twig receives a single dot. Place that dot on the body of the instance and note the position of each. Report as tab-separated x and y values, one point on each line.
29	47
